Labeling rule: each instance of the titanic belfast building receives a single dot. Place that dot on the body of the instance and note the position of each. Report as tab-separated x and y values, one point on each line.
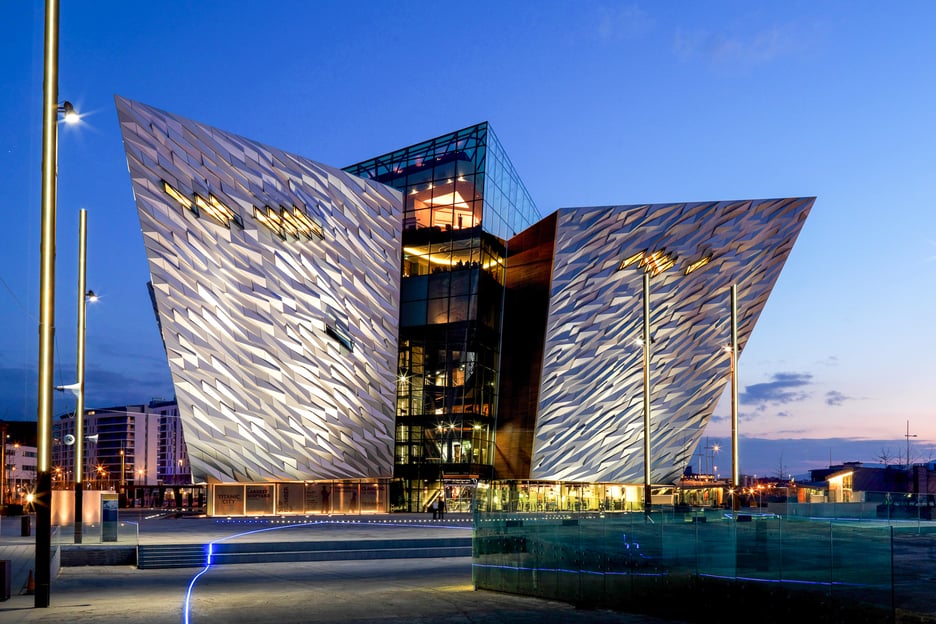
411	327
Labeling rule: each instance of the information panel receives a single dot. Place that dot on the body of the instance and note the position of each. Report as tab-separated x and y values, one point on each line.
260	499
229	500
109	517
290	499
317	498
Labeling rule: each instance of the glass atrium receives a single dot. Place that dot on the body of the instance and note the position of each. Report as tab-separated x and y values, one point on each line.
463	201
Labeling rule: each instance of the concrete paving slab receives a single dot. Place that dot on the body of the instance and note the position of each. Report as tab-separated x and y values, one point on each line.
436	591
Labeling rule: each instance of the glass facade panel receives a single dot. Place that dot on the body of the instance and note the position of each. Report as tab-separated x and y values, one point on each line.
457	217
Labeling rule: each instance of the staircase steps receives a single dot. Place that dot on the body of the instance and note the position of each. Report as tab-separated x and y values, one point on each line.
196	555
159	556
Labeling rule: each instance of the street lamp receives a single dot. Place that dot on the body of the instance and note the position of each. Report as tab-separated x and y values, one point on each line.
652	264
78	388
50	114
648	495
68	113
83	298
909	435
733	353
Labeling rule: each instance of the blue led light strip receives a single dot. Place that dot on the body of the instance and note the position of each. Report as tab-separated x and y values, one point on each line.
186	608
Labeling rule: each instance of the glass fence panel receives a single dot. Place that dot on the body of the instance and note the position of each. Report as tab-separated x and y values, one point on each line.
687	564
914	556
860	570
97	533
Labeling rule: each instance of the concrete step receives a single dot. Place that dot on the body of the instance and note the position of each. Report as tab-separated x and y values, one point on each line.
156	556
340	551
227	553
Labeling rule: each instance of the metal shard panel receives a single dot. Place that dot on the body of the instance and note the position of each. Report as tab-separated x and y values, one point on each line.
277	285
590	418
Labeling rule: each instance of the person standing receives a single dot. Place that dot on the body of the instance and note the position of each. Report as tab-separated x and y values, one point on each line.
434	506
441	508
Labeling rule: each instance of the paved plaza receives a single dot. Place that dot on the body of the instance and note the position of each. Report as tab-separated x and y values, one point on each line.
437	590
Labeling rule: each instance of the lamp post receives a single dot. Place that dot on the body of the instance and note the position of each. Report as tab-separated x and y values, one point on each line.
648	495
733	352
84	296
50	113
120	482
909	435
652	264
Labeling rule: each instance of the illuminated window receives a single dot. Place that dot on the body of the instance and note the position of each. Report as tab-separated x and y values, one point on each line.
653	263
698	264
217	210
289	221
213	206
176	195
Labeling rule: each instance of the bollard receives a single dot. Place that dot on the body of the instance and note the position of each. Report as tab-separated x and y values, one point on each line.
4	579
25	527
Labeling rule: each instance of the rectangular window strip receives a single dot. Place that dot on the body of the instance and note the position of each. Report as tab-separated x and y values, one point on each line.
289	222
198	205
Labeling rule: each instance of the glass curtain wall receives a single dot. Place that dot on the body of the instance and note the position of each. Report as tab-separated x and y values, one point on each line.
452	292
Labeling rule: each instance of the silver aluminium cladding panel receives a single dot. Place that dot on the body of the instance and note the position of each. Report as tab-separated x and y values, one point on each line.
590	419
277	284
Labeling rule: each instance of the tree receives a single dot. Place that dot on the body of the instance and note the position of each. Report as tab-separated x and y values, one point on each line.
885	456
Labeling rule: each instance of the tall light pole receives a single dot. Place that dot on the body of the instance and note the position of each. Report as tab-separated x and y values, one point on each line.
122	473
83	298
648	496
909	435
735	468
652	264
50	112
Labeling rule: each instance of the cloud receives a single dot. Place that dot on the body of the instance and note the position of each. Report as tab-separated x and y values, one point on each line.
785	388
742	50
835	398
617	22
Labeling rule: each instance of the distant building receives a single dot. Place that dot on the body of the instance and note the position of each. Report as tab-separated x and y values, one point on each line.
19	471
173	459
856	482
124	438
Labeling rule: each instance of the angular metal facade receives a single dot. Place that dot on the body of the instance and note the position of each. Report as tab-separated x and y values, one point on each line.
589	423
277	284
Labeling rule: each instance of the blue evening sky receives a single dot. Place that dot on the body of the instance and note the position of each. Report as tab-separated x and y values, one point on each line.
596	102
